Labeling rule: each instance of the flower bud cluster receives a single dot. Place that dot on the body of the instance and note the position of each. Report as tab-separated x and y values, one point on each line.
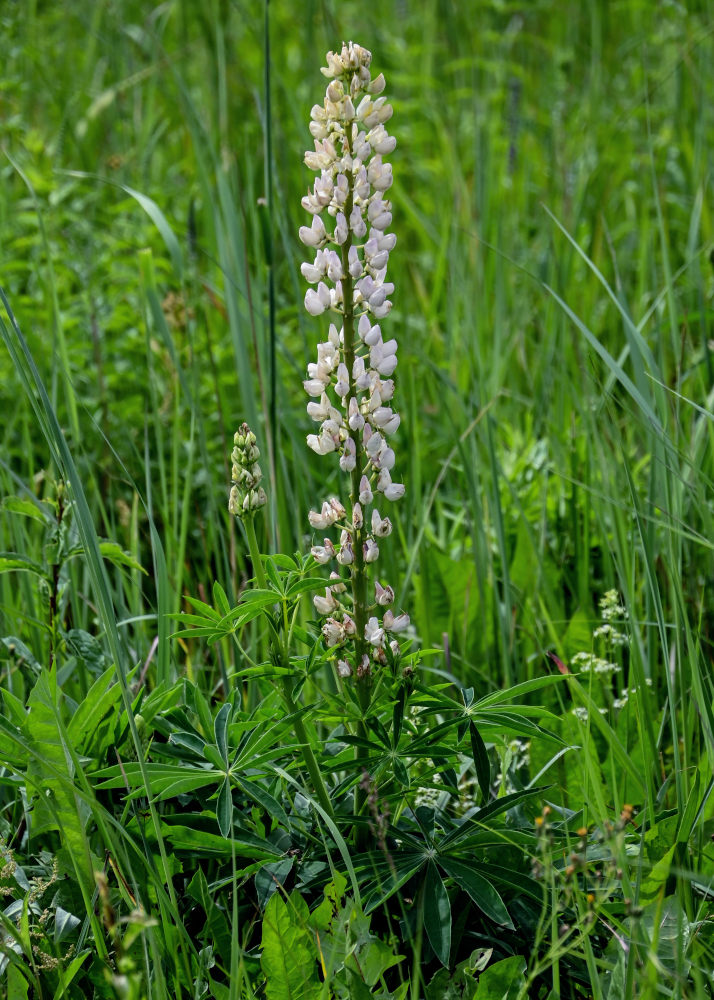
247	495
350	383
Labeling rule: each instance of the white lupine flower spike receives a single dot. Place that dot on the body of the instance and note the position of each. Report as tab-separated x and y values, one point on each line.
350	384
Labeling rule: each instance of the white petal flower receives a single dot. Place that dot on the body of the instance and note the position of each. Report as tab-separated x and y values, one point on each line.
365	491
395	624
345	554
343	668
321	444
313	303
357	516
348	459
326	517
355	264
395	491
333	632
325	605
341	230
314	386
316	235
342	386
323	553
370	550
373	633
381	527
354	417
383	595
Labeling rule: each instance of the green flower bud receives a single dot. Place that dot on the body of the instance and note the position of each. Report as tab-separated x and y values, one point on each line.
246	495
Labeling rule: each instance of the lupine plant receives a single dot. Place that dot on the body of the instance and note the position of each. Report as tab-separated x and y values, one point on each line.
350	382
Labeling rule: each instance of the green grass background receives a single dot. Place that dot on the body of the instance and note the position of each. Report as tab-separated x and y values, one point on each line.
553	307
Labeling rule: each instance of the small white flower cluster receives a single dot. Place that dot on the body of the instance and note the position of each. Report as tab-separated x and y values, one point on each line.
350	384
610	607
611	635
589	662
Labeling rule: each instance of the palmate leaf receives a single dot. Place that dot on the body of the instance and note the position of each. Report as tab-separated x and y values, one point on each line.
224	808
481	762
203	843
481	891
437	914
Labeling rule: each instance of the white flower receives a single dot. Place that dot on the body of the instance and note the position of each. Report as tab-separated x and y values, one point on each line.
342	386
383	595
315	236
370	550
381	527
323	553
322	443
365	492
324	605
348	458
333	632
325	519
346	556
373	633
343	668
354	417
395	624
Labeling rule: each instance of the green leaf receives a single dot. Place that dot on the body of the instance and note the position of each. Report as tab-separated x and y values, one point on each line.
502	981
219	596
245	844
481	762
220	728
29	508
437	914
270	877
13	560
115	554
65	922
481	891
289	957
224	808
271	805
216	930
101	699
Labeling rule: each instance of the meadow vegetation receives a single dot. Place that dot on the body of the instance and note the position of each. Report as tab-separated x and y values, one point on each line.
195	799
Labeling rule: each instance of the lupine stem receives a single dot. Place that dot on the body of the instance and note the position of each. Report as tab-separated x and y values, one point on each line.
308	754
359	575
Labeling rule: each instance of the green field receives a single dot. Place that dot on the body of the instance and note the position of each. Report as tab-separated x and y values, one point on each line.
194	802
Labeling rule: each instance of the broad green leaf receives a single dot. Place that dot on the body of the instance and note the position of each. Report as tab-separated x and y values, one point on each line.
65	922
289	957
502	981
245	844
50	775
481	891
16	561
270	877
437	914
216	929
101	699
29	508
220	727
259	794
224	808
481	762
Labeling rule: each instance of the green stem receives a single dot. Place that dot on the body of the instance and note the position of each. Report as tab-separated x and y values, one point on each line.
308	755
359	571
